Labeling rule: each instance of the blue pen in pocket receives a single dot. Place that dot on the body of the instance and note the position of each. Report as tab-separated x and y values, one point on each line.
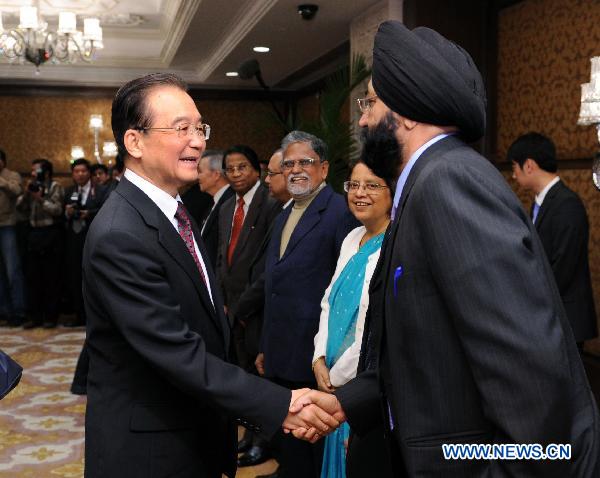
397	274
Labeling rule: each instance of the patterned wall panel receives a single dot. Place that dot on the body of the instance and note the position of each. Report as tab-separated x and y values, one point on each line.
579	180
544	50
32	127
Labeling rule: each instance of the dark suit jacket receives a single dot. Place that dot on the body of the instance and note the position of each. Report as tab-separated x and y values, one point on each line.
93	203
160	390
251	304
295	284
210	231
233	278
473	344
563	227
197	202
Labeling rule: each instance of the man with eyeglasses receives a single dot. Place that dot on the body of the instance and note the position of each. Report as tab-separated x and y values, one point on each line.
161	393
466	340
244	221
300	261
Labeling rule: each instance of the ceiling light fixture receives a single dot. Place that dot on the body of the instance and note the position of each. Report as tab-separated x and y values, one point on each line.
232	73
261	49
34	42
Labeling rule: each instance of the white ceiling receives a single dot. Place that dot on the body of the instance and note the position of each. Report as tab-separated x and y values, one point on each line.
198	39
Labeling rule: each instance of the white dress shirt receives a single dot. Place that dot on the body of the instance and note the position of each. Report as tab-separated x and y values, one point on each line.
539	199
345	368
168	205
216	198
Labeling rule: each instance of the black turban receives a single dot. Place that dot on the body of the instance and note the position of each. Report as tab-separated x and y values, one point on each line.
422	76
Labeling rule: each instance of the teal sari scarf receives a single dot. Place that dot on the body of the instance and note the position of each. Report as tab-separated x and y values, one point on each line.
344	302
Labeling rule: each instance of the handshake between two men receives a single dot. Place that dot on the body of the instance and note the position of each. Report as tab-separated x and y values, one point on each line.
313	414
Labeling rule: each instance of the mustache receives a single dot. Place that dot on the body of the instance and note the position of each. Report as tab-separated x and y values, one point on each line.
297	175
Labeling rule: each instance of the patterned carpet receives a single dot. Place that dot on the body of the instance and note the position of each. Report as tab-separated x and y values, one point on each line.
41	422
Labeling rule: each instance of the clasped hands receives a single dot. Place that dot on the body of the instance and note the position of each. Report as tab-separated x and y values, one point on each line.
313	414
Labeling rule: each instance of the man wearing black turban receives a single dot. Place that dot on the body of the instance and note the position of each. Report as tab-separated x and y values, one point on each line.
465	343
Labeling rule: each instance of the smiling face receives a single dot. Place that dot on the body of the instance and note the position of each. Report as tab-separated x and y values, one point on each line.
302	181
369	206
167	159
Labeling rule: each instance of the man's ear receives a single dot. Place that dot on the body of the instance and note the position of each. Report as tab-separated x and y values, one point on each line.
529	166
134	143
408	123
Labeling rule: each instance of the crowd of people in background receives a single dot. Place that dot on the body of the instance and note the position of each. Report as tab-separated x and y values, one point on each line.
43	226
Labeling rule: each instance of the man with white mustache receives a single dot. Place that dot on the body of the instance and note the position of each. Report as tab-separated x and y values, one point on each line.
300	261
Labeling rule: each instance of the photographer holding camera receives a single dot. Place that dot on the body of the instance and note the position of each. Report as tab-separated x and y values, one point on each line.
42	203
82	201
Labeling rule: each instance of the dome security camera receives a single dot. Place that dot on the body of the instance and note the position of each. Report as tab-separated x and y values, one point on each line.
308	10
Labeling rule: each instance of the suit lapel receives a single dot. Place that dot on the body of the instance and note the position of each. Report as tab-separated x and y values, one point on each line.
249	221
310	218
214	213
168	238
175	247
547	204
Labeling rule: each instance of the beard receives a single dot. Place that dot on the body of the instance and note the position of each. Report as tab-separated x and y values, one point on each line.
382	152
299	190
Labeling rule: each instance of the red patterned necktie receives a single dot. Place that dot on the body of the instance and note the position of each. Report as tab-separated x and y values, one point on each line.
184	226
238	222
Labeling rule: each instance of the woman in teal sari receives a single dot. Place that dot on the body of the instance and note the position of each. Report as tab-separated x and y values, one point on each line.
345	303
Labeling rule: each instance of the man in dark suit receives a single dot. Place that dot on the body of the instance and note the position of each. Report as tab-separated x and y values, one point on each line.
211	180
244	221
161	393
466	329
562	224
82	202
300	261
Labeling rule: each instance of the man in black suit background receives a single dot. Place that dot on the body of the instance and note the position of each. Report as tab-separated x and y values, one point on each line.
83	200
466	341
562	224
244	220
161	393
211	180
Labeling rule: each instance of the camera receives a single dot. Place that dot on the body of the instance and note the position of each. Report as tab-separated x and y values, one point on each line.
37	184
75	201
308	10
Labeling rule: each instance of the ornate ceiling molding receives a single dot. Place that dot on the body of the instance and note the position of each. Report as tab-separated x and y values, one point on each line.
240	25
176	15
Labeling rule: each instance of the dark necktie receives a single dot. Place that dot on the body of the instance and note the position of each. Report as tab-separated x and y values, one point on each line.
238	222
184	226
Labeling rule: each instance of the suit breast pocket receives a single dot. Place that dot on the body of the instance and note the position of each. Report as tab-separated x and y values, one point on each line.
411	282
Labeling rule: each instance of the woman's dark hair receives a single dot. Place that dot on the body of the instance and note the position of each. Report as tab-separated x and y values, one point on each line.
129	109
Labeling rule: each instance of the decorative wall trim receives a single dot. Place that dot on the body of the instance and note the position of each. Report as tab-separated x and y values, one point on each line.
563	164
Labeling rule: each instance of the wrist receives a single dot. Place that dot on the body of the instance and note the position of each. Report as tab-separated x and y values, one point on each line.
314	363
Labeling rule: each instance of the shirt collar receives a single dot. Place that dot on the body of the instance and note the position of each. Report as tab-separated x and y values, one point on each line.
539	199
86	187
219	194
165	202
409	165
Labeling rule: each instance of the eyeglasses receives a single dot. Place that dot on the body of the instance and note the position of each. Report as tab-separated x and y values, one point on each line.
370	187
201	130
304	163
365	105
273	173
242	168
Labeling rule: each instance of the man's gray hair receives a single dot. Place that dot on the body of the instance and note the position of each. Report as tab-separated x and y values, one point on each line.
316	144
215	160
